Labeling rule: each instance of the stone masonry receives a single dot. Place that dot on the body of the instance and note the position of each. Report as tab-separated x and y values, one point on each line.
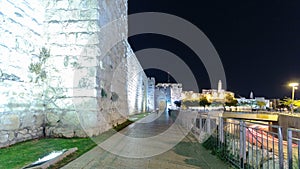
91	81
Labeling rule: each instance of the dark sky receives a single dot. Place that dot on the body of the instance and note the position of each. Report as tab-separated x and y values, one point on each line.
258	41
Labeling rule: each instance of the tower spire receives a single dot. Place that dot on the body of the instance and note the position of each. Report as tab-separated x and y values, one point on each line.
251	95
219	86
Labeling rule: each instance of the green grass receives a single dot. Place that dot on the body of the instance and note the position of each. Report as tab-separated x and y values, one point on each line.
22	154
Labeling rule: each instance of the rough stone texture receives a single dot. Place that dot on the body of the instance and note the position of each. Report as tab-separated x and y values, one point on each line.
172	93
151	94
137	85
93	79
21	107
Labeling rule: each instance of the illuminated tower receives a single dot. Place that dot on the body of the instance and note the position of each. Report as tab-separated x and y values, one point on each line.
219	86
251	95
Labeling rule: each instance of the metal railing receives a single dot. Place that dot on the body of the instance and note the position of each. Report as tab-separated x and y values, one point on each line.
293	148
246	145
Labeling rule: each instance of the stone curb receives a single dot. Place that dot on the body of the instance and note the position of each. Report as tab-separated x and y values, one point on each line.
53	161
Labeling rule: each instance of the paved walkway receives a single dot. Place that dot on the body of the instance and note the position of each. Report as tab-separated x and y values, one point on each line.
132	149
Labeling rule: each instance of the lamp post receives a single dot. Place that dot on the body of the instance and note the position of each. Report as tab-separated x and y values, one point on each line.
294	87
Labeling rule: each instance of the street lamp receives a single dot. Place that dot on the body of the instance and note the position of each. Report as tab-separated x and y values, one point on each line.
294	87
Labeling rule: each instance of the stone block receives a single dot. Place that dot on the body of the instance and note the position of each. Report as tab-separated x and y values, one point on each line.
23	132
11	135
27	120
4	138
20	137
79	92
9	122
85	104
27	136
39	119
80	133
52	119
89	120
60	132
71	118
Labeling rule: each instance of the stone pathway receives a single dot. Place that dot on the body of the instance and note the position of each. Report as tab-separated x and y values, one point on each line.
187	154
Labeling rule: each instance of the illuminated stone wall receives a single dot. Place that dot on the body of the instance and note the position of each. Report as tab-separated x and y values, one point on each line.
21	37
137	86
92	62
172	92
151	94
89	75
162	96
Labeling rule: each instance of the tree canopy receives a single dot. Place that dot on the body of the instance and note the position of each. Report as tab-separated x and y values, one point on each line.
261	104
204	102
287	102
178	103
230	100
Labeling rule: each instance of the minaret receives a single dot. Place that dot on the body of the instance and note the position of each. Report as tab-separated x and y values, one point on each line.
219	86
251	95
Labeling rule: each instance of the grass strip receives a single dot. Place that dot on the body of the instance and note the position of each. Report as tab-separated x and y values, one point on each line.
24	153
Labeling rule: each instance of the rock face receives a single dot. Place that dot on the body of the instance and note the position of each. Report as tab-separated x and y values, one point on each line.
66	69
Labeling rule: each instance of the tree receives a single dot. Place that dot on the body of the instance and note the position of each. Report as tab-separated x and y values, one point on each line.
261	104
286	102
178	103
289	103
190	103
230	100
297	103
233	102
204	102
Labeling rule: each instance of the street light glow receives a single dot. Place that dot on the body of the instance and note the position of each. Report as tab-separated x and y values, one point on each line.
293	84
294	87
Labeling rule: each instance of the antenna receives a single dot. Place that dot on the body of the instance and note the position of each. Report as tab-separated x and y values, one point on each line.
168	77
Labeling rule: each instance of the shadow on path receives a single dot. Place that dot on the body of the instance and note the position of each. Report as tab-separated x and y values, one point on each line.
197	155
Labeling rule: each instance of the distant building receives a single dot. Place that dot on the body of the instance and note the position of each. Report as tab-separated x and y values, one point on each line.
168	93
212	95
275	104
151	94
163	95
190	95
216	95
252	102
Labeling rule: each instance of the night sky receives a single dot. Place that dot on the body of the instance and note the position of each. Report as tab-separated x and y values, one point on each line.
258	41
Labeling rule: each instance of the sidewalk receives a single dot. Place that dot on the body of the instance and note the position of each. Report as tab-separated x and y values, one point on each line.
187	154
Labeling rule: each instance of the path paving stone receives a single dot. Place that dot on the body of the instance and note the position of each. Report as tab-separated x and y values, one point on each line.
188	154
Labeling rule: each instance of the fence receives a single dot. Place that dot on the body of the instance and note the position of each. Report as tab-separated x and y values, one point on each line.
250	145
293	148
246	145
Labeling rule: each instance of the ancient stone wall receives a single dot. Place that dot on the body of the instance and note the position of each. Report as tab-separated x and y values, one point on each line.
84	87
137	85
162	96
87	40
151	94
21	106
176	90
172	93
